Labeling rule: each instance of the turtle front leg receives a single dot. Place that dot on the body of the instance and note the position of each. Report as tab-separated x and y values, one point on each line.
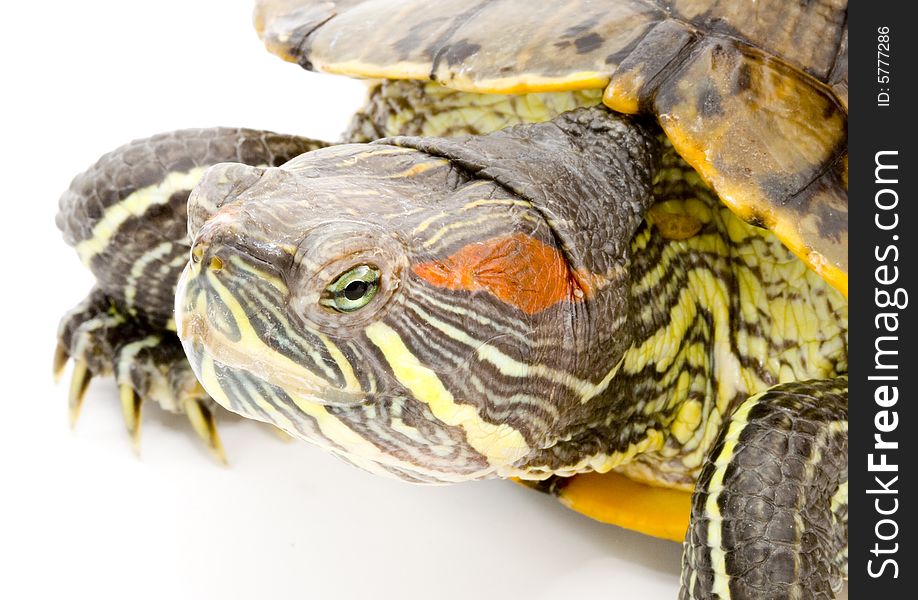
148	364
127	218
770	510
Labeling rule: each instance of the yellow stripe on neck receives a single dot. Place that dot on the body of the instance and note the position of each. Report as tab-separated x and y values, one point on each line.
501	444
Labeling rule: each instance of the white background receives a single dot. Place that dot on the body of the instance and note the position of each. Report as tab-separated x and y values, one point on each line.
80	515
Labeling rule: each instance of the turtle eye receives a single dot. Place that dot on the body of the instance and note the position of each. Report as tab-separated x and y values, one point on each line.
352	290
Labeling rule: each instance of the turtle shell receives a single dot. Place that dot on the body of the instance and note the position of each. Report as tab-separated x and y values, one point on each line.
753	95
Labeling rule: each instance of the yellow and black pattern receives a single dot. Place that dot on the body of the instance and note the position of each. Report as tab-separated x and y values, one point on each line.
399	107
547	300
770	511
480	389
484	274
725	311
126	217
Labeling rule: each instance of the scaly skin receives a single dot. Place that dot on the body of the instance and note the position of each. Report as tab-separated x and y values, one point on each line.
536	314
771	502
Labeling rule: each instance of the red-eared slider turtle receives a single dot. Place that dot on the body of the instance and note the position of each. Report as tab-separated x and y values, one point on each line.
599	247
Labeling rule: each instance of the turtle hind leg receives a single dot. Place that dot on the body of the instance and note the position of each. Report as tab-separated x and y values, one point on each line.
769	512
148	364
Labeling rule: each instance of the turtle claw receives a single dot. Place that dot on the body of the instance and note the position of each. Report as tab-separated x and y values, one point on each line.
203	422
131	408
148	364
78	383
61	356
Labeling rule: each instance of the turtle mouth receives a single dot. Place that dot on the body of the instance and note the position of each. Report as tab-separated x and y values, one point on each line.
231	318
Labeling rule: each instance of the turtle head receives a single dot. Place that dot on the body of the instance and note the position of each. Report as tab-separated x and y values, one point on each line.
281	275
304	305
387	305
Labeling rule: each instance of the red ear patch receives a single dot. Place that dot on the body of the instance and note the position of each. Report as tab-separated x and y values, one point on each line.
518	269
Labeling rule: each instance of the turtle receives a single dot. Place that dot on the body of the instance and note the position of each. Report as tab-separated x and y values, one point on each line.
595	247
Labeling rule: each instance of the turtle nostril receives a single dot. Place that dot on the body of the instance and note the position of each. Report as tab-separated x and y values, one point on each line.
197	252
216	264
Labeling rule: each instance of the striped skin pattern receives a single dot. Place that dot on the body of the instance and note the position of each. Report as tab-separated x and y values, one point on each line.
725	313
397	107
126	214
760	506
330	210
602	311
634	369
514	335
